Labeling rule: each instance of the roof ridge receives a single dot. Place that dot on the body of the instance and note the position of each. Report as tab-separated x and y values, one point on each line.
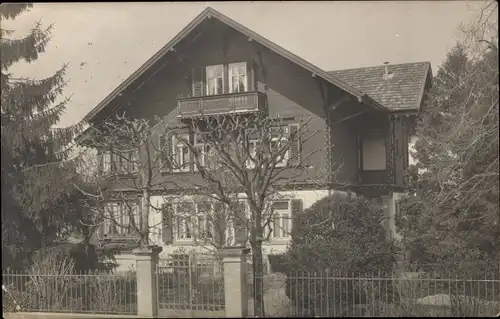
379	66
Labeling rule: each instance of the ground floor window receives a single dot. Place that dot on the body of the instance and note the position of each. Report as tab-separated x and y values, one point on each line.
120	219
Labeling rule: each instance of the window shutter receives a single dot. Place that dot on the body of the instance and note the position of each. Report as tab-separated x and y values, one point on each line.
165	149
113	161
137	216
219	225
295	211
189	83
191	154
167	221
226	78
100	229
198	81
250	75
100	164
240	229
294	152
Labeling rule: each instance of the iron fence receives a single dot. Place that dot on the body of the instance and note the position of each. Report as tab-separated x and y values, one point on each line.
101	293
191	282
417	294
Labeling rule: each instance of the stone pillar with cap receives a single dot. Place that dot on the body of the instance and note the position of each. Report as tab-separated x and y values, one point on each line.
147	292
235	281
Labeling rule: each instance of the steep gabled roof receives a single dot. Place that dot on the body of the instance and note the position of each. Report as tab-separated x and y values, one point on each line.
401	91
211	13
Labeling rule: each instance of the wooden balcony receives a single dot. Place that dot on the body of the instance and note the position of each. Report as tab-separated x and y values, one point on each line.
220	104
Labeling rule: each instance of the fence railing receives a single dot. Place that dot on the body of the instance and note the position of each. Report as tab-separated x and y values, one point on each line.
326	295
191	283
195	283
103	293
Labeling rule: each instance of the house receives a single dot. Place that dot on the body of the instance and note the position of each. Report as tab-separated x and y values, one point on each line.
367	114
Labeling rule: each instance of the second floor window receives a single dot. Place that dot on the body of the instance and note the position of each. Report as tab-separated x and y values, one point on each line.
205	156
181	153
124	162
284	150
252	153
215	79
278	142
106	162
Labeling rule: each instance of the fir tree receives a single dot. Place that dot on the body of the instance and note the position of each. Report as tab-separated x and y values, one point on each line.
454	221
38	203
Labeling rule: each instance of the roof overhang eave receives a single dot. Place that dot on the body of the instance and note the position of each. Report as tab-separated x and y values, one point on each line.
269	44
368	100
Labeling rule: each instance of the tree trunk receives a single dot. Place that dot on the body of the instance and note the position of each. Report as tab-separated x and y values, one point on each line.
144	223
258	279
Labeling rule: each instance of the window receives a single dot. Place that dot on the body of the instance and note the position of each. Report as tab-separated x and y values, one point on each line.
278	140
205	157
185	221
121	162
181	153
238	77
119	220
235	74
193	221
125	161
373	151
215	79
252	149
281	222
132	161
106	162
281	146
205	221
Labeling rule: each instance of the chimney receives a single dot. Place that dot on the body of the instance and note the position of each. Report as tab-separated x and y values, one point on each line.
386	76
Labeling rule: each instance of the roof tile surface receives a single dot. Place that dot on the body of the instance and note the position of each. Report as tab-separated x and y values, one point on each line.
401	91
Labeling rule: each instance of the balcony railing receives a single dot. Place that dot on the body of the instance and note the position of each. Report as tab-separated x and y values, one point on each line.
220	104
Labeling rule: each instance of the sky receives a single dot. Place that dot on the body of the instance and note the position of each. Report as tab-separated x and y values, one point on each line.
104	43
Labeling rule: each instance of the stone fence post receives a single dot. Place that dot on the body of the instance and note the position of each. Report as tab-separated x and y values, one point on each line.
235	281
147	292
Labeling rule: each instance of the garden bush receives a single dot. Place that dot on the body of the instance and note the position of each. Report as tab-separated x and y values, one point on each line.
338	237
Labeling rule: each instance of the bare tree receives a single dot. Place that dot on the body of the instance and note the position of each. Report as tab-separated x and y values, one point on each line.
247	160
130	163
